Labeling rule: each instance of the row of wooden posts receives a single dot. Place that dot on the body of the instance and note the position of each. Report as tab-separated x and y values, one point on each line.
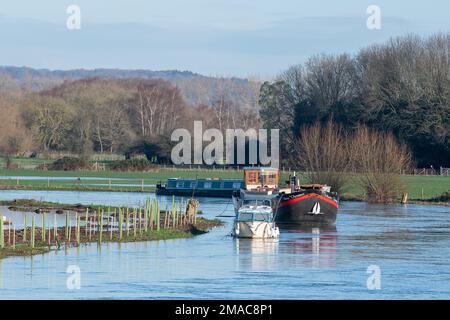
120	222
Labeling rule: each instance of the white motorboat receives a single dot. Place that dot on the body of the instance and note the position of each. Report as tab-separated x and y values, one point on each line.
254	219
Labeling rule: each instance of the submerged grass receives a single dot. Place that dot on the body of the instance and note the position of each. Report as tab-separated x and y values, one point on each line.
101	224
41	247
23	250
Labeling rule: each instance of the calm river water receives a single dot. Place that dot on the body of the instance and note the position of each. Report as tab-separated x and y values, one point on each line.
409	244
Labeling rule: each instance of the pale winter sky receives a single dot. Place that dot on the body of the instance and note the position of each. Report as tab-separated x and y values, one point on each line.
212	37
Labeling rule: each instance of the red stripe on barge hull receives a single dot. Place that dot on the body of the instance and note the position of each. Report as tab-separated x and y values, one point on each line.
285	203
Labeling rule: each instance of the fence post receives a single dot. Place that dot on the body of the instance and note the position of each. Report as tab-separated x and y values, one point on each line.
2	239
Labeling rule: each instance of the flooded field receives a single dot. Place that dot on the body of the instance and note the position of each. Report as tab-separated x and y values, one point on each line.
410	245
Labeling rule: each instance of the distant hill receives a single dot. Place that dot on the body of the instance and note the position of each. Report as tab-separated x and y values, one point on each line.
197	89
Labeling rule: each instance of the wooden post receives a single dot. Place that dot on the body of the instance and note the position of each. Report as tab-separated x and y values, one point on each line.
2	236
43	228
90	229
78	218
405	198
141	221
145	219
100	221
120	223
33	224
111	228
49	237
152	214
70	230
127	226
86	220
195	216
134	224
166	216
55	228
158	216
14	237
25	222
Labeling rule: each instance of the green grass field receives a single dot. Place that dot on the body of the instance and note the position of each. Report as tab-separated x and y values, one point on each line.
431	186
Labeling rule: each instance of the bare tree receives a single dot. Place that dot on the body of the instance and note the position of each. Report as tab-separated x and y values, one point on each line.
379	160
322	151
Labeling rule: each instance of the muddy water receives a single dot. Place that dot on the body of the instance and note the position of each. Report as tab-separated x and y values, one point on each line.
409	244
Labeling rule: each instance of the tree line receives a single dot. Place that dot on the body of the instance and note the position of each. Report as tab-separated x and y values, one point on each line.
110	115
400	87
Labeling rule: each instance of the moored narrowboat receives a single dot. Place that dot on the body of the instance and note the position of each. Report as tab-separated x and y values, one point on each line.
220	188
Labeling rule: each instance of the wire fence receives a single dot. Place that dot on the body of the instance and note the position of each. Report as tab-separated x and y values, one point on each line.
432	172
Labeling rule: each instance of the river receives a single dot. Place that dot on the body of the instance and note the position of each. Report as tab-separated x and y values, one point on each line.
408	244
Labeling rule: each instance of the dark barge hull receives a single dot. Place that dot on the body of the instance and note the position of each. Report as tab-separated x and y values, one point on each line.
196	193
297	209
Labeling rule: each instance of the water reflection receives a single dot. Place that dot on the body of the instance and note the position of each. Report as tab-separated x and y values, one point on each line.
257	254
314	246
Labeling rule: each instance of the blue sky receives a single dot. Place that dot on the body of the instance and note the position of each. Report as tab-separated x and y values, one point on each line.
212	37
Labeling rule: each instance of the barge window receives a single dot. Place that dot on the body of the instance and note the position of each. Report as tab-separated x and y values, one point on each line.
252	177
271	179
207	185
216	185
172	184
228	185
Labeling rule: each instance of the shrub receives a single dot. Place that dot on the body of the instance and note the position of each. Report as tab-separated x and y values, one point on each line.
132	165
379	160
322	153
68	164
445	197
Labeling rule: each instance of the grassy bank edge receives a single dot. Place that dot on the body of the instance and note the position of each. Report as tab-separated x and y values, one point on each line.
202	226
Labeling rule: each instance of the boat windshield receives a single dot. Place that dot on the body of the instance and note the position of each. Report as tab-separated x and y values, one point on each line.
254	202
254	216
